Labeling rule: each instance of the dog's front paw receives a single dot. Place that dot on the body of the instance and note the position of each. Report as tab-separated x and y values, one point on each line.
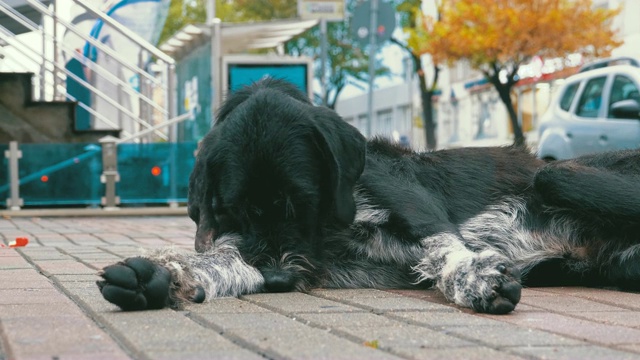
487	283
136	283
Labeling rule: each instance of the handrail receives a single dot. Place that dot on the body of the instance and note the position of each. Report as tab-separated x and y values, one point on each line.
126	32
94	67
94	42
175	120
148	105
95	90
10	39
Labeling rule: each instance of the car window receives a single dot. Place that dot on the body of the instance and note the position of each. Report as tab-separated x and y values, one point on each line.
591	98
623	88
567	97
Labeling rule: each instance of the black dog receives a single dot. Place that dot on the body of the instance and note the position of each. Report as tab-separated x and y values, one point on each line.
285	199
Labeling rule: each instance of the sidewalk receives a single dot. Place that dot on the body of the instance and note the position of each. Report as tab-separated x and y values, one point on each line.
50	308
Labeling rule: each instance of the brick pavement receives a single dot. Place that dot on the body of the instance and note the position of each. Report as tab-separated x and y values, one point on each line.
50	308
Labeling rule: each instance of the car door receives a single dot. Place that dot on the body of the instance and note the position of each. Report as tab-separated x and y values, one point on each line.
585	130
621	133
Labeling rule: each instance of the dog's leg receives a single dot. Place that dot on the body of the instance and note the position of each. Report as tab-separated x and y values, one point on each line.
484	281
606	185
169	277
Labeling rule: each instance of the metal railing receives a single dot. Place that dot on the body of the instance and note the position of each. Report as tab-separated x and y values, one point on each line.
107	109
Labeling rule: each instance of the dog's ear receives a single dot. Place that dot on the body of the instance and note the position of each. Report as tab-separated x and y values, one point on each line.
343	148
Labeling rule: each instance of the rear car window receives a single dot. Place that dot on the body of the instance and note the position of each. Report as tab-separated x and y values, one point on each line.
623	88
567	97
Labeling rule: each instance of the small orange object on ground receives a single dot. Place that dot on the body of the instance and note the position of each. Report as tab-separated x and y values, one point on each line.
18	242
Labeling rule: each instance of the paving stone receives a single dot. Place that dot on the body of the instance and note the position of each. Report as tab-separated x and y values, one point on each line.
296	302
164	330
403	336
440	318
575	328
306	343
49	254
464	353
347	320
57	336
9	263
568	304
623	318
269	332
574	352
34	311
37	282
635	348
64	267
226	305
188	354
31	296
349	294
509	335
77	278
399	304
618	298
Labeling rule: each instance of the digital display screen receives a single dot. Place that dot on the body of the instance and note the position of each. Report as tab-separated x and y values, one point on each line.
245	74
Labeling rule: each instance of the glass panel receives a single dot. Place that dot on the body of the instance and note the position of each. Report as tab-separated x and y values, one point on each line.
154	173
591	99
567	97
60	174
623	88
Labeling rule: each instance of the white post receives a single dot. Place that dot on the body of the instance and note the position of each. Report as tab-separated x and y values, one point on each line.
13	154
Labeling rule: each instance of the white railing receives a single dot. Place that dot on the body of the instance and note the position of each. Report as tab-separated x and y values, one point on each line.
151	103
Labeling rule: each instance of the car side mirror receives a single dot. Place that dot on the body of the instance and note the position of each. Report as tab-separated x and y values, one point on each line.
626	109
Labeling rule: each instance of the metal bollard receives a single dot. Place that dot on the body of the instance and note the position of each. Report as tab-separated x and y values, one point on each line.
13	154
110	175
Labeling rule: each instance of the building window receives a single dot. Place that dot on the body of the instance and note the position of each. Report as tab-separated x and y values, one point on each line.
385	123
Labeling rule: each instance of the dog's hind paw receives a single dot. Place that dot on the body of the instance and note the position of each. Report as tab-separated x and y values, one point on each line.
136	283
487	283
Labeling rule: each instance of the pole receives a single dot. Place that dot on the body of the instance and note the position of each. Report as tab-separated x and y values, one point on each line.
13	155
373	25
216	60
323	59
56	60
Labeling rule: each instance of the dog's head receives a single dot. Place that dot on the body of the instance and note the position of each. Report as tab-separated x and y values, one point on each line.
280	172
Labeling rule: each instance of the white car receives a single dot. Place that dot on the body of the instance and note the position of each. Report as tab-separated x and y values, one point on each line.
596	110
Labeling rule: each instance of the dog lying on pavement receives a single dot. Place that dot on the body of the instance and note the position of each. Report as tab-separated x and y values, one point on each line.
287	197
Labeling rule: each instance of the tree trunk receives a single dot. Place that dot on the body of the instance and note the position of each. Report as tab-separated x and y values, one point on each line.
504	91
505	94
426	94
427	112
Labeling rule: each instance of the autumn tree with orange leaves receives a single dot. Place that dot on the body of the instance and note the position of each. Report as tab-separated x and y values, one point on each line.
499	36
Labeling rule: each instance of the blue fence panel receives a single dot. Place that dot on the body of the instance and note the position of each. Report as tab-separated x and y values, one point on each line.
154	173
60	174
4	175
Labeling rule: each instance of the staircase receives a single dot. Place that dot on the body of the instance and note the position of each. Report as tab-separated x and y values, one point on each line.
81	93
25	120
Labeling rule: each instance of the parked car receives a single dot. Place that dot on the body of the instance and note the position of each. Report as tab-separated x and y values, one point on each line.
596	110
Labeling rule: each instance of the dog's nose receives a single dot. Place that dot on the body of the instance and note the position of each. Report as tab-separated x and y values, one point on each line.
277	281
203	240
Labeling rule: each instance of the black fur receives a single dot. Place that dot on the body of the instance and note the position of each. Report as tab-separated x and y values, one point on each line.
289	186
